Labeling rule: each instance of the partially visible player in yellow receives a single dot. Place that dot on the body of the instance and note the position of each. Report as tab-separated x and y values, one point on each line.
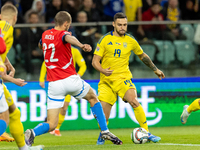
111	59
187	109
78	59
8	20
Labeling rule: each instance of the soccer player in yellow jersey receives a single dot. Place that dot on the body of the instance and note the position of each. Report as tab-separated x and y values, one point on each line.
187	109
113	50
78	59
8	20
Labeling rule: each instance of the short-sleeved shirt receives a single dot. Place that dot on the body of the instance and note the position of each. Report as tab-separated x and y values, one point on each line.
131	7
7	33
115	52
77	58
57	55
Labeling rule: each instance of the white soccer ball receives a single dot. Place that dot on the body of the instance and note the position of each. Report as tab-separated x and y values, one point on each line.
139	136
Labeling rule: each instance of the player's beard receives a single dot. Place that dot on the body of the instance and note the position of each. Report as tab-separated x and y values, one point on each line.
120	32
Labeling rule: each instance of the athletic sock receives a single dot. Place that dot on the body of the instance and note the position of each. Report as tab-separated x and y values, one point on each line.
3	126
41	128
141	117
16	128
194	106
98	113
60	121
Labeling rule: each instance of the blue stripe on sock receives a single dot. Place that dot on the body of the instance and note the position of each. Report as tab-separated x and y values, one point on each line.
97	111
3	126
41	128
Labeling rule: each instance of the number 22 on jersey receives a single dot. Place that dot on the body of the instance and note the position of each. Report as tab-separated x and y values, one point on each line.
52	47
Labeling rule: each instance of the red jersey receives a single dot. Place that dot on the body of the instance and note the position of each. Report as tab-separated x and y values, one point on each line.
57	55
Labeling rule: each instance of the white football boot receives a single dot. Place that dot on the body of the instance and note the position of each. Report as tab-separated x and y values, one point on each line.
185	114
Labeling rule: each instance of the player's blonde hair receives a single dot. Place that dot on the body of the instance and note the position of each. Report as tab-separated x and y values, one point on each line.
61	17
8	10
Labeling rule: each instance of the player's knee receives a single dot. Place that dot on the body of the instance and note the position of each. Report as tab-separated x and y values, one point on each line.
15	115
199	102
52	124
134	103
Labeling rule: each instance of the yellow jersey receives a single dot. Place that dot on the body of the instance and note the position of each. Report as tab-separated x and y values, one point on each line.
7	32
131	7
77	58
115	52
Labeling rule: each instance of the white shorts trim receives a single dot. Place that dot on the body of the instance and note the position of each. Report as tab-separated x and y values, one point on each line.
57	90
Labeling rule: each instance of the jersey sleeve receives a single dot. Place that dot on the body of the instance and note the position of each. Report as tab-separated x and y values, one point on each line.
43	71
63	36
137	49
80	62
100	48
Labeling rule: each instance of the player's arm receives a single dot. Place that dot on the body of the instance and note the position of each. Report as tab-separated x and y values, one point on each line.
74	41
17	81
9	67
43	71
147	61
81	63
97	65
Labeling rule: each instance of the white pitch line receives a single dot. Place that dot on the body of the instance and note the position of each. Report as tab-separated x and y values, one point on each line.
178	144
170	144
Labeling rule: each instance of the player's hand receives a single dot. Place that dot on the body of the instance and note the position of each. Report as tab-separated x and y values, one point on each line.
20	82
87	48
42	84
107	71
160	74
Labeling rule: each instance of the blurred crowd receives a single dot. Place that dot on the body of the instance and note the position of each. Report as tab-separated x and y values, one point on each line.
43	11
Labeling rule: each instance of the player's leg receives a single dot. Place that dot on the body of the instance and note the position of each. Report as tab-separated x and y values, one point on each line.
194	106
15	125
129	94
131	97
4	113
42	128
54	102
106	109
107	98
98	113
62	114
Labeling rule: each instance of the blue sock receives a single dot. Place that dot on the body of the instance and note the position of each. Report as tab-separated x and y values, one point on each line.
41	128
97	111
3	126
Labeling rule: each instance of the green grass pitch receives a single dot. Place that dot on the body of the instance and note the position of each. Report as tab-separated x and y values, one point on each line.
172	138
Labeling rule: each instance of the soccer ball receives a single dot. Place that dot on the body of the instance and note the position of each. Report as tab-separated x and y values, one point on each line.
139	136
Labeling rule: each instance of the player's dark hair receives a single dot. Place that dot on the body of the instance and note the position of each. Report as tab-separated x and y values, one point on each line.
9	7
32	13
119	15
62	17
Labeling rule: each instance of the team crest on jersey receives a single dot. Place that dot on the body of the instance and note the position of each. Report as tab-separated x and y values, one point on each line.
110	43
98	48
125	44
117	43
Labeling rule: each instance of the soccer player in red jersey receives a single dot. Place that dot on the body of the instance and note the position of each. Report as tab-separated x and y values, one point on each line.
63	79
